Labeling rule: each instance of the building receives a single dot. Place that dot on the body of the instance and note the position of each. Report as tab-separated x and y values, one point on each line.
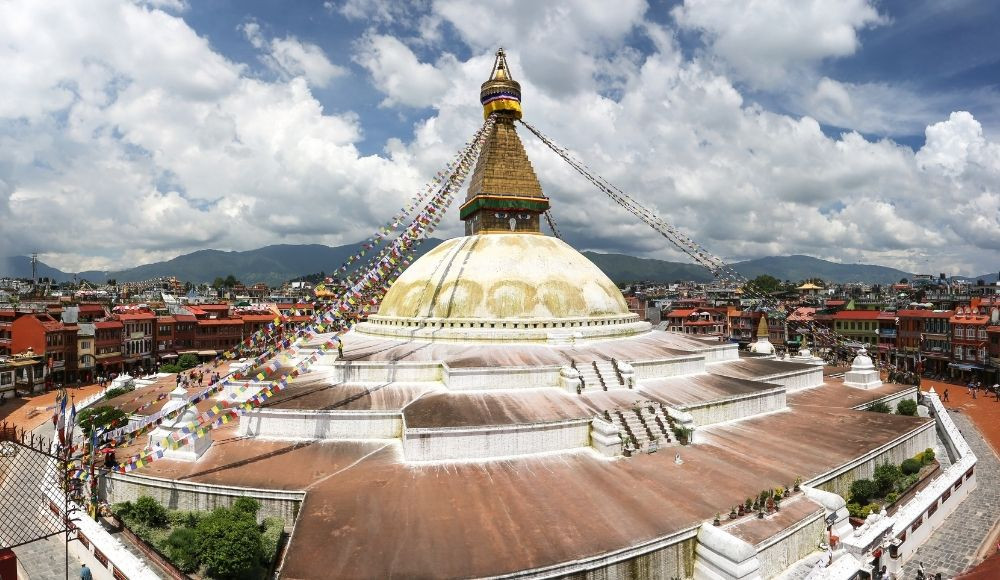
86	352
23	373
860	326
166	341
700	321
108	340
51	339
969	342
138	337
923	341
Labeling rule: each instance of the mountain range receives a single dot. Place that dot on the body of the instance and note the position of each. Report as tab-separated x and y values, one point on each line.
278	263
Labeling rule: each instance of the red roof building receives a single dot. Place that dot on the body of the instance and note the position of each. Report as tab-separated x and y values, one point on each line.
923	340
138	337
108	347
50	338
969	340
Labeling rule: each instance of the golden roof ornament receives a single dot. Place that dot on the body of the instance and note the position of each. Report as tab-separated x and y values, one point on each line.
762	327
501	93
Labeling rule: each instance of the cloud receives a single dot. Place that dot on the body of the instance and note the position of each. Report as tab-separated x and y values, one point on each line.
289	57
763	41
397	73
170	147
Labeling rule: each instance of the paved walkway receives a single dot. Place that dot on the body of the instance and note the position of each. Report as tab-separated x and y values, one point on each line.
952	548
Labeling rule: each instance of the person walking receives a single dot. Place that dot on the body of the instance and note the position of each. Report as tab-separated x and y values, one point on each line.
85	573
945	395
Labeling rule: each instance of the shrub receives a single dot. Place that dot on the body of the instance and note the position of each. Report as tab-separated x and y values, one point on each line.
928	455
148	511
891	497
863	490
100	418
907	482
118	391
907	407
885	477
186	519
274	529
182	547
231	543
170	368
246	506
880	407
910	466
187	361
861	511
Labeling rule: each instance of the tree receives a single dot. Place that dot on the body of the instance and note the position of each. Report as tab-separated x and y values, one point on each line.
112	282
231	281
904	281
231	543
907	407
187	361
219	282
885	477
863	490
765	283
100	418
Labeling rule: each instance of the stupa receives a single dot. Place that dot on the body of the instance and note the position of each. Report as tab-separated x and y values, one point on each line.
193	447
863	374
763	344
505	415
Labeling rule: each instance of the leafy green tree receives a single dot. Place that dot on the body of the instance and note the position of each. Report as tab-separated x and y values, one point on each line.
247	506
148	511
766	283
231	281
231	543
885	477
182	547
187	361
100	418
863	490
907	407
219	282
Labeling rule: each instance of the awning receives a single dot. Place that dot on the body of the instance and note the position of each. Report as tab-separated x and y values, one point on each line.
207	353
184	352
966	367
168	355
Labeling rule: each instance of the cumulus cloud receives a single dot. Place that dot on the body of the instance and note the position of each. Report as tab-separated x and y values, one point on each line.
396	72
289	57
764	40
170	147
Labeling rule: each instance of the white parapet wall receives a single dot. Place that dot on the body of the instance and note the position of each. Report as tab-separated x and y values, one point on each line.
891	400
306	424
480	378
437	444
669	367
722	556
379	371
736	407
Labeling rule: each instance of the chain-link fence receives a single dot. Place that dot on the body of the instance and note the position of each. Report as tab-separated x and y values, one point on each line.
31	488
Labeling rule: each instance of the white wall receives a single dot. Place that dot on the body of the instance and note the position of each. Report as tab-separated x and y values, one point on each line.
304	424
484	442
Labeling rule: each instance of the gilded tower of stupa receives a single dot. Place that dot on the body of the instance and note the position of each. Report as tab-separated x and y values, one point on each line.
504	193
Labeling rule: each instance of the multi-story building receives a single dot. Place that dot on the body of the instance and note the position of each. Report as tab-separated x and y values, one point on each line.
86	349
7	318
54	340
138	338
888	329
701	321
214	335
743	325
858	325
166	347
969	341
923	340
184	333
22	373
108	347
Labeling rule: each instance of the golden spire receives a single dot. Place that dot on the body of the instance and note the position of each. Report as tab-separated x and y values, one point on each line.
501	92
762	327
504	193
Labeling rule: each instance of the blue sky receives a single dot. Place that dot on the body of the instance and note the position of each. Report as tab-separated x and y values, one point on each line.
855	131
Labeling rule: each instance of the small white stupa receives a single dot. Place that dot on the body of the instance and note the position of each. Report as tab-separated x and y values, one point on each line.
763	344
806	356
863	374
194	447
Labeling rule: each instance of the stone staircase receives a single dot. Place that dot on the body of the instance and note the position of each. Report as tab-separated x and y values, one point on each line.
646	429
601	375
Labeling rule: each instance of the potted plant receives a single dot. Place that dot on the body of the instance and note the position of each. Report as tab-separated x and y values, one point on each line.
717	521
748	505
732	513
798	483
740	511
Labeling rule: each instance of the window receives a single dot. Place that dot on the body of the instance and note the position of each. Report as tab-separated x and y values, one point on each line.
958	352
